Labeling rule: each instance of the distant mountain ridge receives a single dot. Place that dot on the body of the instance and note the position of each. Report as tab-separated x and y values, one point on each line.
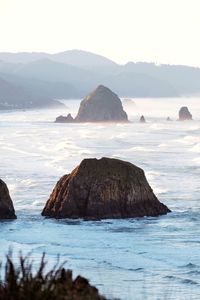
15	97
81	58
72	57
73	73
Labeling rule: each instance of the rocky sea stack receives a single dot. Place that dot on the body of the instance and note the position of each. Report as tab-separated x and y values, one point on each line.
184	114
6	206
102	105
63	119
104	188
142	119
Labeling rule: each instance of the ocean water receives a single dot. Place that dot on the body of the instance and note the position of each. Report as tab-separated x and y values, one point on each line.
147	258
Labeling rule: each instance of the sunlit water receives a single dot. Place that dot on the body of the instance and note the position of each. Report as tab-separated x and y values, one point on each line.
149	258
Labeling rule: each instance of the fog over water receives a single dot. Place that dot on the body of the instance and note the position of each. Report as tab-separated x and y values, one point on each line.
148	258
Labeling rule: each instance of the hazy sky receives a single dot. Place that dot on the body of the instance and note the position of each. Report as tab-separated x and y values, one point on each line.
163	31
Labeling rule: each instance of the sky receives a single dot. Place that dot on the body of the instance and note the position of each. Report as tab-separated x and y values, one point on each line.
160	31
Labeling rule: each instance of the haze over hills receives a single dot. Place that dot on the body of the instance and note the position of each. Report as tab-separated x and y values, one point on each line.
74	73
72	57
81	58
15	97
22	57
185	79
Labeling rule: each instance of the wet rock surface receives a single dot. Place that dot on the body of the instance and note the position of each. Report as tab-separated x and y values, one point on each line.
104	188
6	206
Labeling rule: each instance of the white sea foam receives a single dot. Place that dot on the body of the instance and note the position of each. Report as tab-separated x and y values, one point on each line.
158	126
159	190
28	182
191	139
35	153
139	148
196	148
13	149
196	160
12	187
163	145
66	146
37	203
152	174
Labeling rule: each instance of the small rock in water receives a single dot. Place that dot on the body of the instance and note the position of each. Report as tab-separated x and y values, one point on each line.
184	114
102	189
142	119
6	206
63	119
168	119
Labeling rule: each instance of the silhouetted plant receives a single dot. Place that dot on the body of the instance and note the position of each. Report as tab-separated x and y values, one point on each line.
21	282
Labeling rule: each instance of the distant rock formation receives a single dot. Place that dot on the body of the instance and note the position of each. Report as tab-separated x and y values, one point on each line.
142	119
6	206
184	114
168	119
104	188
63	119
102	105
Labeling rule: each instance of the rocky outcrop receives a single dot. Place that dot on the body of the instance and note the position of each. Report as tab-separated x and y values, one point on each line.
184	114
81	289
64	119
142	119
104	188
6	206
102	105
168	119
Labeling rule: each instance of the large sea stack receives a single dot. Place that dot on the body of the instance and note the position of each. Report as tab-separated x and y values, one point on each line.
6	206
184	114
104	188
102	105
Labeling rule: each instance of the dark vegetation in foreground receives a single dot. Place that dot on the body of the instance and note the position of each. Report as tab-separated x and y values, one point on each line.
21	282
